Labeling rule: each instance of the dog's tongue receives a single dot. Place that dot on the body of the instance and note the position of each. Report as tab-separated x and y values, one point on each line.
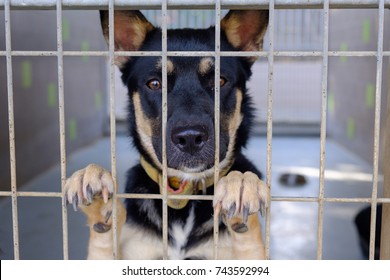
176	186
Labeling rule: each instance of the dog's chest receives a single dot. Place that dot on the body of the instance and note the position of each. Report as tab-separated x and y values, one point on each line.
184	242
180	233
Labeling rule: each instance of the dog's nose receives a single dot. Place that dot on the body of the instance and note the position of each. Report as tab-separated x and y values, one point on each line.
190	139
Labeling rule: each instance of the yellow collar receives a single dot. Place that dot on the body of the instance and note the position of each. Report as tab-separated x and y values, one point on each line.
177	186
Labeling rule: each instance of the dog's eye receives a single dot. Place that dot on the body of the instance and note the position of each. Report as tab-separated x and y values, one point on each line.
154	84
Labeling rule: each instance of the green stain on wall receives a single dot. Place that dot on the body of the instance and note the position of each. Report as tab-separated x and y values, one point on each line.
72	129
98	100
26	74
370	95
344	47
65	30
52	95
366	31
331	102
351	128
84	48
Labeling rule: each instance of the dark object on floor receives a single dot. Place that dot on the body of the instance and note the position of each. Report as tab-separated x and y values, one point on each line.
362	222
293	180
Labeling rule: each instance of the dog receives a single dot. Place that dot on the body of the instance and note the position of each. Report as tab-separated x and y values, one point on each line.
190	146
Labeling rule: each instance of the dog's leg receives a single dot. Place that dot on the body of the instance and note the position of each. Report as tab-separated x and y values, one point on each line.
90	189
239	197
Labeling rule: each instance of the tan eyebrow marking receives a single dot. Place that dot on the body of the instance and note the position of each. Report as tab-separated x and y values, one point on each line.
170	66
205	65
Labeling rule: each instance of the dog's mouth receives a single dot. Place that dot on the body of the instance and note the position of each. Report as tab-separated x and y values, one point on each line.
178	186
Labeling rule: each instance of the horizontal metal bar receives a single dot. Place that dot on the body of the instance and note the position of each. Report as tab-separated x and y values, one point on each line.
204	197
330	199
192	54
185	4
32	194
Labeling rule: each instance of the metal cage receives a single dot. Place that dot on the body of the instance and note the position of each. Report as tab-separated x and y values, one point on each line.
270	54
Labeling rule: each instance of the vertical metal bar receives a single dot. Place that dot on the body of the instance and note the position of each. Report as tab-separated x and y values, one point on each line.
113	126
61	111
164	48
269	121
324	101
217	116
379	66
11	127
385	229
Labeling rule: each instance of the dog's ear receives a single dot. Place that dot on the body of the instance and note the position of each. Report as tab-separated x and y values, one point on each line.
245	29
130	30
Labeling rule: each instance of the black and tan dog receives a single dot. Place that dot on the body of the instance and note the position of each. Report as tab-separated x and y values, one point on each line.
239	194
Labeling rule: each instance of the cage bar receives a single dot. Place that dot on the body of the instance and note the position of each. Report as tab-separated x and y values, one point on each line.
199	4
11	131
164	58
113	127
271	33
217	5
385	230
201	53
217	110
324	101
378	94
61	111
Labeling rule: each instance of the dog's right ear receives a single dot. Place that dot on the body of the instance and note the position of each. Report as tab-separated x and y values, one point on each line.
130	30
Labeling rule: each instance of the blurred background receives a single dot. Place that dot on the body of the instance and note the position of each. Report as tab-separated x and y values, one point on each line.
296	125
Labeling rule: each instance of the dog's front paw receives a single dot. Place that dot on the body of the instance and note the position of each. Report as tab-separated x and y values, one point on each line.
239	195
91	189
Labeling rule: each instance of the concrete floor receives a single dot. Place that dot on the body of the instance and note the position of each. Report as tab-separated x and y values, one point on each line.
293	224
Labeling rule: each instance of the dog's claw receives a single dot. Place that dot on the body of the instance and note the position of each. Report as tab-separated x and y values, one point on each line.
75	202
232	211
65	198
89	194
245	214
105	194
262	208
108	215
101	228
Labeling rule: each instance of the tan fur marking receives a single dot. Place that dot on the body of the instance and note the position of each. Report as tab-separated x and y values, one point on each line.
170	66
232	122
205	65
144	128
235	119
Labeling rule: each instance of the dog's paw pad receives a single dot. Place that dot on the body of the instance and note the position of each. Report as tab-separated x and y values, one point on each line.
101	228
240	227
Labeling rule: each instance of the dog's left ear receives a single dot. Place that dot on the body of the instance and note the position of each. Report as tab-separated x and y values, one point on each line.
245	29
130	30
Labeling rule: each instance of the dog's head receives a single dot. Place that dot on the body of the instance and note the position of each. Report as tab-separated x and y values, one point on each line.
190	130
